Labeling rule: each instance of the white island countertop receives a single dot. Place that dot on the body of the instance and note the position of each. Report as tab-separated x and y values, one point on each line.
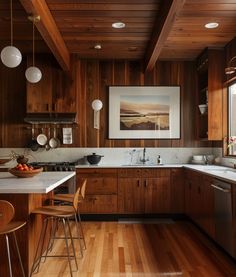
44	182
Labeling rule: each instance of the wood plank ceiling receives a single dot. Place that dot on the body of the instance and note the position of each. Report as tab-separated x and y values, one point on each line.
85	23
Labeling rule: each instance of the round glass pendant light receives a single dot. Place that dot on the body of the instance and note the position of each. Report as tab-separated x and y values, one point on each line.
97	105
33	74
10	55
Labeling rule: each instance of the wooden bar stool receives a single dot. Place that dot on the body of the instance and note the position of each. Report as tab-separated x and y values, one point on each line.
57	214
9	226
68	198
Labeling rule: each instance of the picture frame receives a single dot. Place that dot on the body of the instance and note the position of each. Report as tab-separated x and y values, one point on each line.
144	112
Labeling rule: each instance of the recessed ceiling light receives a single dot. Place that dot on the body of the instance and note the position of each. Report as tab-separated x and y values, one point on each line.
211	25
98	46
118	25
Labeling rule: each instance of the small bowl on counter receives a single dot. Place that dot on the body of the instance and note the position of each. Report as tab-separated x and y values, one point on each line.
25	173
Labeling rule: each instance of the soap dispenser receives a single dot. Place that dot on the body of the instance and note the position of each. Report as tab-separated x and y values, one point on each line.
159	159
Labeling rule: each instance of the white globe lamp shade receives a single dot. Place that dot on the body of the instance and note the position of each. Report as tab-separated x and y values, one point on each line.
33	74
11	56
97	105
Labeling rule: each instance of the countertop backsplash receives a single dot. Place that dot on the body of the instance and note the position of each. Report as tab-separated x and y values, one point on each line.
119	156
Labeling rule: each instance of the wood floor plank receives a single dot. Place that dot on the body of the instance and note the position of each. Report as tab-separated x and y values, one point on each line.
139	250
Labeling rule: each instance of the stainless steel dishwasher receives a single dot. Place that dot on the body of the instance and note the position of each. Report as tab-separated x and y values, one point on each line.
223	215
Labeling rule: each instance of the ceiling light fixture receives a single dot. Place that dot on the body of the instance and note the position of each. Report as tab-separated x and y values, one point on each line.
211	25
97	106
33	74
230	69
98	46
10	55
118	25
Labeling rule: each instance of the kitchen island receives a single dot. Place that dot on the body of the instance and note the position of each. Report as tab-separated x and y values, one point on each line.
26	194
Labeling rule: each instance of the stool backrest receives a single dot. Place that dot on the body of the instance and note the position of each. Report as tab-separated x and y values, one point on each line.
80	190
7	212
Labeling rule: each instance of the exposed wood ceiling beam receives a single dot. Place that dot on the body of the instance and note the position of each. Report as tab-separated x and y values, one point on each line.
162	28
49	31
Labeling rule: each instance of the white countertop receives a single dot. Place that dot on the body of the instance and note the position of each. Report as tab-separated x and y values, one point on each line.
226	173
222	172
129	166
44	182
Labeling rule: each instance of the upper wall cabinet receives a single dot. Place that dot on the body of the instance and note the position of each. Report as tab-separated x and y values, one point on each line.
210	95
54	93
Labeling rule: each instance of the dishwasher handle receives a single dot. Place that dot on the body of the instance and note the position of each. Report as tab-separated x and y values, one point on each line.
221	189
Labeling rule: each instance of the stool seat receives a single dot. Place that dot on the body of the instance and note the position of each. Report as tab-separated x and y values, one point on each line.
56	211
12	227
66	197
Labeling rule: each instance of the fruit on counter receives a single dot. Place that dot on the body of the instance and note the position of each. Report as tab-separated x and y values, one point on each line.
23	167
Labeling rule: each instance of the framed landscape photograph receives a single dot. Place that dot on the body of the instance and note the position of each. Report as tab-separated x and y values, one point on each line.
140	112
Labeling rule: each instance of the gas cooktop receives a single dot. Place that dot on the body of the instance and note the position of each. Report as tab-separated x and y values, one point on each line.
56	166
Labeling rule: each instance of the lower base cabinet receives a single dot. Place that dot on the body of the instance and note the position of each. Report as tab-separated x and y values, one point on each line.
101	190
132	191
199	200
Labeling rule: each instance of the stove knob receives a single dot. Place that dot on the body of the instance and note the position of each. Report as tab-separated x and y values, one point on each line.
59	168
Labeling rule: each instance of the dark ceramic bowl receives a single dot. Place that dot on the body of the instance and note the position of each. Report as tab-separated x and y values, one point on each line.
94	159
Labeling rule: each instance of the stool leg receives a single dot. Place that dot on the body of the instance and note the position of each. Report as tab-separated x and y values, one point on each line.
42	235
8	255
81	228
67	246
52	236
72	242
78	234
18	252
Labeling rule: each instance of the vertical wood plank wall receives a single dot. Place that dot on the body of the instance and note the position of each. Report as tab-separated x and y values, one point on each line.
93	77
91	81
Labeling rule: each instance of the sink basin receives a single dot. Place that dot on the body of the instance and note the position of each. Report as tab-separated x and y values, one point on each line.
222	171
142	165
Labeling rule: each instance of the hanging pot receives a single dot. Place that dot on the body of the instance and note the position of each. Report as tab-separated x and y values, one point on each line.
33	145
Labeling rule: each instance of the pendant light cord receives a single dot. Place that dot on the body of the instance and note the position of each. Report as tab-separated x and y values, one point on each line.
11	23
33	42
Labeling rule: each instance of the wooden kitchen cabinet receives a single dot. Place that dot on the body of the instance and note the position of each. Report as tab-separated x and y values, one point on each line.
199	200
177	191
210	92
101	190
53	93
144	191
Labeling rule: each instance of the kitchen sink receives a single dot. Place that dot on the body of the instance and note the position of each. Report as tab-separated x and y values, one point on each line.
222	171
142	165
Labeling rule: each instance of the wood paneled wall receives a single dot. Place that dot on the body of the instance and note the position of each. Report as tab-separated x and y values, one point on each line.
91	81
13	106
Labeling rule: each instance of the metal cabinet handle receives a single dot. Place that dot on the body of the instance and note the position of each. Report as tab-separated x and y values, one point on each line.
221	189
145	183
138	183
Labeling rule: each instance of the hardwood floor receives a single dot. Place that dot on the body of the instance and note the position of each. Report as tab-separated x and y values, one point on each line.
115	249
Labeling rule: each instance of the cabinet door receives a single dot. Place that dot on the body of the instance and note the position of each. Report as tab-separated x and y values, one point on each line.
177	191
157	195
208	206
101	186
99	204
63	93
130	195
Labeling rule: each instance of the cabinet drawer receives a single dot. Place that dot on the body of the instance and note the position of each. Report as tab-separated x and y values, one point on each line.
149	172
99	204
100	185
96	172
128	172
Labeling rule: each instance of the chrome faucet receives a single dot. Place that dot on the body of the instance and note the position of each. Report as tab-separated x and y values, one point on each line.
144	160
